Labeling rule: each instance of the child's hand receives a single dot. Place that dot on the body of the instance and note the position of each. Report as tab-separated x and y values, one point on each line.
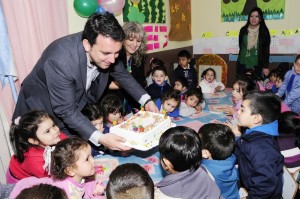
228	110
218	88
198	108
234	127
99	189
120	120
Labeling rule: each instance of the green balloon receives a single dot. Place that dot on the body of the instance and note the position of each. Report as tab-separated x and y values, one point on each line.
85	8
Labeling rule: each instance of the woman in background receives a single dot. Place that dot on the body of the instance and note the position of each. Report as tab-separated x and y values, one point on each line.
254	43
132	55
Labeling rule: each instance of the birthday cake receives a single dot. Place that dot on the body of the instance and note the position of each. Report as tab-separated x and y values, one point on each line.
143	130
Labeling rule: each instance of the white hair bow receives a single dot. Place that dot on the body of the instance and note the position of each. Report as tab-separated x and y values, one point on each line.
47	158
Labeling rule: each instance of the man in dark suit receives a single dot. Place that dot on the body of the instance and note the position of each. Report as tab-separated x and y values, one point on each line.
73	71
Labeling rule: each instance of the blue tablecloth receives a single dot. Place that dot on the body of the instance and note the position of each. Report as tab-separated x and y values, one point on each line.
149	160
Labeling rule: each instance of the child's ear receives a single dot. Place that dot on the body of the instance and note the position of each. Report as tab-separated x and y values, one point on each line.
33	141
168	165
257	119
70	171
206	154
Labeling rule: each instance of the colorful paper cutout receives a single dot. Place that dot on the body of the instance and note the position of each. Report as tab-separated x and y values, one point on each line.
155	37
149	37
156	45
156	29
163	28
149	46
232	33
273	32
148	28
207	35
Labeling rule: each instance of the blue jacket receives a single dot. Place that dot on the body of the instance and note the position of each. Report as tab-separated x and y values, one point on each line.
225	175
175	113
260	161
156	91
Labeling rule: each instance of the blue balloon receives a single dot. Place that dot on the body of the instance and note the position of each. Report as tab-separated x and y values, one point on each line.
100	10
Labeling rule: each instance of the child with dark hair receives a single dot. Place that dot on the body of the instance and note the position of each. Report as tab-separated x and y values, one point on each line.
31	135
194	102
185	70
169	103
289	139
180	154
290	87
181	86
264	75
112	107
42	191
208	83
154	62
257	151
129	181
217	152
71	162
97	117
272	79
159	85
279	80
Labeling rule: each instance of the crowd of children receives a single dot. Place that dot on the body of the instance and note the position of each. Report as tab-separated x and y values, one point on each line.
249	150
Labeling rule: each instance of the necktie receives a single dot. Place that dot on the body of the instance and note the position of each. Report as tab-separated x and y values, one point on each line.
290	84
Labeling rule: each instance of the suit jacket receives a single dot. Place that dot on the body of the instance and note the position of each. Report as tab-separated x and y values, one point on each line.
57	85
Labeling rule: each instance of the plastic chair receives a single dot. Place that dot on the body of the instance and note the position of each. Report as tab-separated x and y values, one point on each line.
212	61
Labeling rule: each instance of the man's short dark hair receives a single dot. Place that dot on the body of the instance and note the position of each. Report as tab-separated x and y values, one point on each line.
268	105
218	139
105	24
182	147
129	181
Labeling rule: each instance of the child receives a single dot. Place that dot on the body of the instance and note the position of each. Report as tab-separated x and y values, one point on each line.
112	106
264	75
159	85
29	136
289	139
42	191
272	79
185	70
279	80
153	63
97	117
208	83
180	155
291	87
71	162
191	105
181	85
217	152
130	181
240	88
257	151
169	103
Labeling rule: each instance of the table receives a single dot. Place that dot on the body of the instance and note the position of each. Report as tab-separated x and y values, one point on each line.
150	159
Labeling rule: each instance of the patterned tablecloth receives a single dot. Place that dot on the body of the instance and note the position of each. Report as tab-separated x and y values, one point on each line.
149	160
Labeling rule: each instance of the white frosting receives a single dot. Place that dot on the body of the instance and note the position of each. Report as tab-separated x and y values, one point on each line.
143	130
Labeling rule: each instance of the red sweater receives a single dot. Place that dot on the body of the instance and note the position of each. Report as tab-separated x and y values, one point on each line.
32	165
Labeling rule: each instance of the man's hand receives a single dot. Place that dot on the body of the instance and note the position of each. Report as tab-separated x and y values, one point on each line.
114	142
150	106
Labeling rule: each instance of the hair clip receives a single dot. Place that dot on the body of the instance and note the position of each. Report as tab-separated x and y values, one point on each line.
17	121
47	158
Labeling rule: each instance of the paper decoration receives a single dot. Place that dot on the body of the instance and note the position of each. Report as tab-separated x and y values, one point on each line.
148	28
232	11
180	16
297	31
207	35
287	32
149	37
273	32
232	33
155	37
163	29
145	11
167	40
156	45
149	46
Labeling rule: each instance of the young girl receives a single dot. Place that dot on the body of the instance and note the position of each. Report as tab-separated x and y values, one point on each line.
169	103
208	83
240	88
112	106
30	136
71	162
191	105
159	85
289	139
291	87
272	79
154	62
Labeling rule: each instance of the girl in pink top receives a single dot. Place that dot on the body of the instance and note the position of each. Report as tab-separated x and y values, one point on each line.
71	162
